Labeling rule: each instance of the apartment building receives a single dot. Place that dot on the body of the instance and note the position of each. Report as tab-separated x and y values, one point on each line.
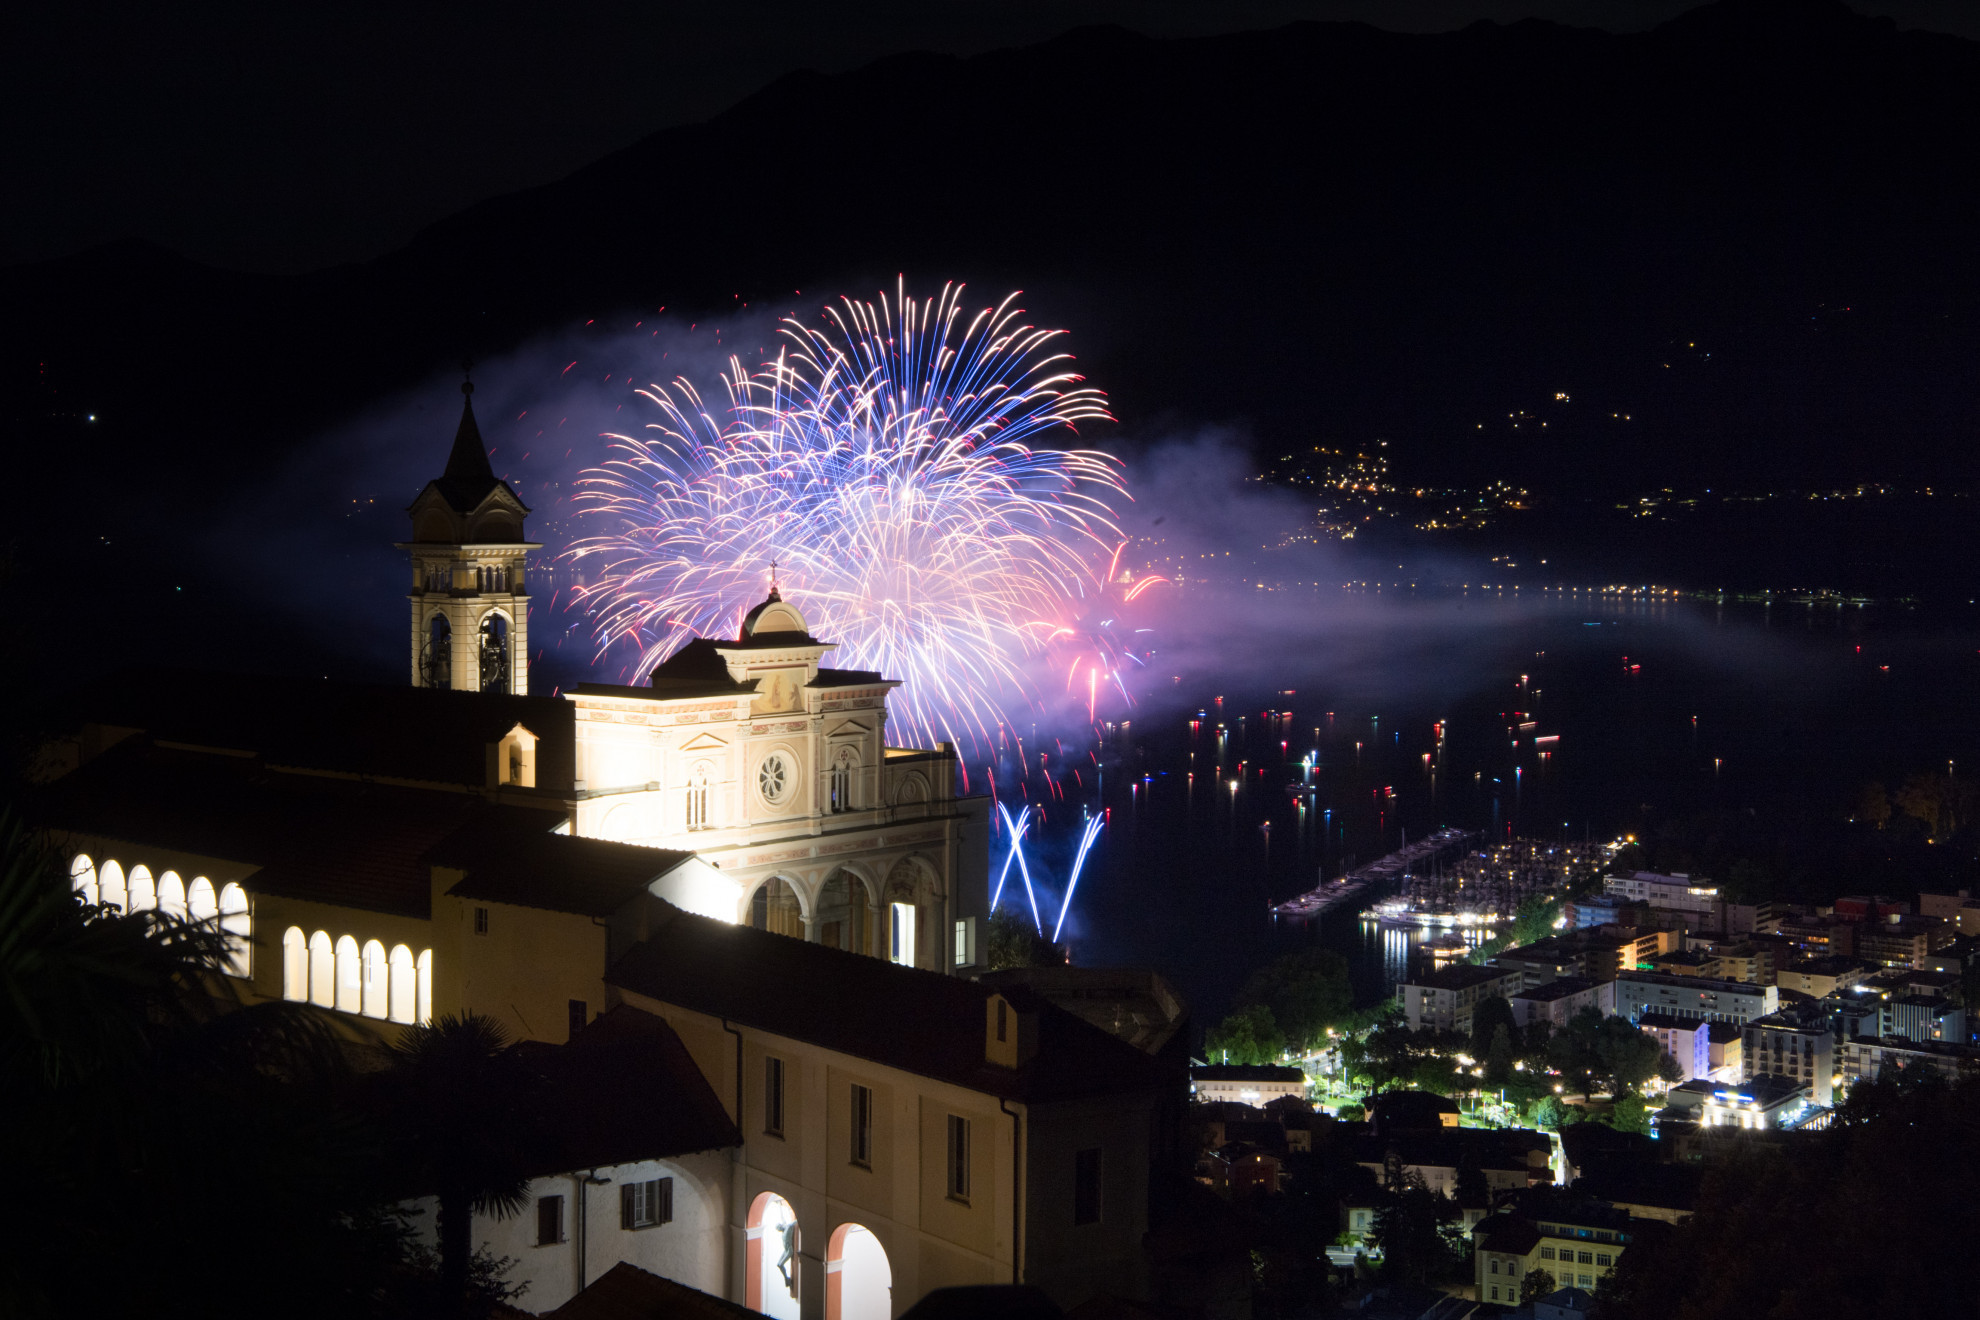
1794	1043
1697	997
1444	998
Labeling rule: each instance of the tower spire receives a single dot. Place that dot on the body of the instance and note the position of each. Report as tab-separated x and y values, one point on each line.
468	469
470	597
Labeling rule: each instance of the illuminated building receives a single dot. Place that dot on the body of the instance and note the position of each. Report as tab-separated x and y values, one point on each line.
1795	1043
1246	1084
1444	998
586	870
1694	997
1764	1101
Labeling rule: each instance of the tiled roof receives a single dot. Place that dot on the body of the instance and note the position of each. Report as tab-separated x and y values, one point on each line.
555	872
1511	1236
698	662
388	731
846	678
1445	1148
624	1089
469	479
1245	1072
920	1022
314	837
627	1292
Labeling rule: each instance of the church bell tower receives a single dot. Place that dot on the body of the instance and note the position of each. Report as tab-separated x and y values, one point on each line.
470	595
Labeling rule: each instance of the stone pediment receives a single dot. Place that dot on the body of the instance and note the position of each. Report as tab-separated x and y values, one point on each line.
705	742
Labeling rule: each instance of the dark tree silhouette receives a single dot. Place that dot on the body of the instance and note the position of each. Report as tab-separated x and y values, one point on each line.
463	1116
1877	1212
186	1153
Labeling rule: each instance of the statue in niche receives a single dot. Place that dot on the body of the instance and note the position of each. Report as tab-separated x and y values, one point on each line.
787	1263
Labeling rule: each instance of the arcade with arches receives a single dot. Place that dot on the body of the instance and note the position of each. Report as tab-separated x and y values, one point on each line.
107	883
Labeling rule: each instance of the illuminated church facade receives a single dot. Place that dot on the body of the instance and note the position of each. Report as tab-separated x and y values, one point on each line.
722	882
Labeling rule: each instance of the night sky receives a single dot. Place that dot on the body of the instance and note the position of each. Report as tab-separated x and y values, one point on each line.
1640	261
284	138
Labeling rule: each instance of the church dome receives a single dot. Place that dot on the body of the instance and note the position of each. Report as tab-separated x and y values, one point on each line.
774	615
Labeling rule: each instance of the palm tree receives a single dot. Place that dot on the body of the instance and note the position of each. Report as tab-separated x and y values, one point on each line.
146	1105
84	990
462	1108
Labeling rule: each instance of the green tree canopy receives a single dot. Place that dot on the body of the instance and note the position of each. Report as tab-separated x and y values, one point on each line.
1536	1284
1249	1035
1015	942
1307	991
1491	1014
1420	1234
1630	1113
1499	1059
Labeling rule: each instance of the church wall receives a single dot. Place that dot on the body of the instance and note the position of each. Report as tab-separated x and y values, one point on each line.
930	1241
526	968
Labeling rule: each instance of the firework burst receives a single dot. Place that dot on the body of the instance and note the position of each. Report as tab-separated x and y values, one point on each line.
884	461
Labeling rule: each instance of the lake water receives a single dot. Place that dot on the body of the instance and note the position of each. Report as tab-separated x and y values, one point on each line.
1659	709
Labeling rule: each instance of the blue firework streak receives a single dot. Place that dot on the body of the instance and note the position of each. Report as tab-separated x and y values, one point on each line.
885	461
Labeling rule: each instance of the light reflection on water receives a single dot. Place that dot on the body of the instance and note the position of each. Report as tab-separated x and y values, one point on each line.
1398	949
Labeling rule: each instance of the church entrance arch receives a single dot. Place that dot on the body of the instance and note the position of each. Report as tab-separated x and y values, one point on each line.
775	907
771	1281
859	1283
845	913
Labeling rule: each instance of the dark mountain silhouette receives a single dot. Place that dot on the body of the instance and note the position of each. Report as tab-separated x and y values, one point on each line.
1749	229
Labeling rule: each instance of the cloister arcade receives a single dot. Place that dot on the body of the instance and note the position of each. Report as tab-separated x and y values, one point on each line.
362	980
898	919
859	1281
138	890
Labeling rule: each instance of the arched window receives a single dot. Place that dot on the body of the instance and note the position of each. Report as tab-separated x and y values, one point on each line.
423	1008
842	781
775	908
697	799
295	965
82	878
350	985
110	885
845	913
234	920
494	654
172	894
436	654
322	971
200	903
403	1000
377	988
516	757
144	892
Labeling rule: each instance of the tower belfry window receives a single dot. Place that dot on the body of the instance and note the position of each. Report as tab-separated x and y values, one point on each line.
467	542
436	656
495	654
